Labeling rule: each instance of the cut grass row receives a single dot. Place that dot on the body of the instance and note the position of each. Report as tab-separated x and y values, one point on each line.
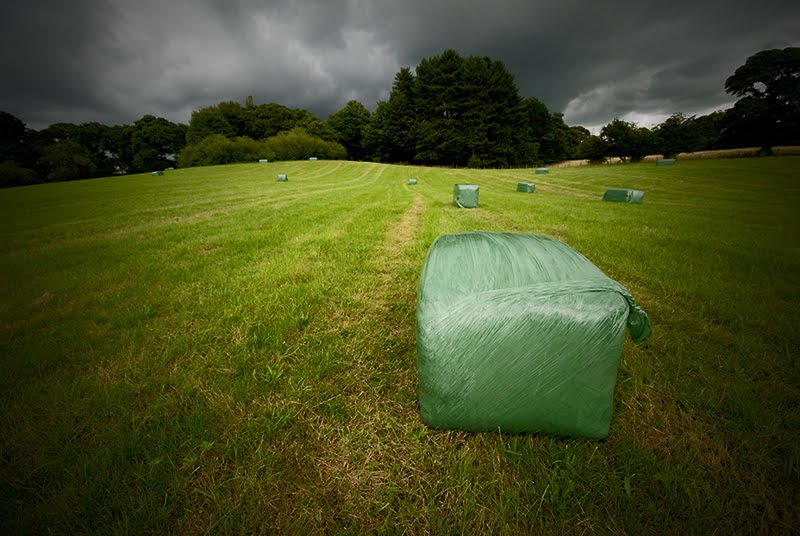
215	351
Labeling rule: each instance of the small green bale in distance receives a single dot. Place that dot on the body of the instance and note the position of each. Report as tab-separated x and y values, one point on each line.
465	195
313	158
263	161
519	333
527	187
170	169
623	195
542	171
665	162
412	180
157	173
282	177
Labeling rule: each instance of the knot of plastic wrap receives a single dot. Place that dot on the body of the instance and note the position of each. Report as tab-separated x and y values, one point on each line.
638	321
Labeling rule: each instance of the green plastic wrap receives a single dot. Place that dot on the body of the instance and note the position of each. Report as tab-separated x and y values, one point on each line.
519	333
527	187
282	177
466	195
412	180
542	171
665	162
623	195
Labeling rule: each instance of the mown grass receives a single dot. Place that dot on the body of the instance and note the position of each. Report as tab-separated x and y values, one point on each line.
213	351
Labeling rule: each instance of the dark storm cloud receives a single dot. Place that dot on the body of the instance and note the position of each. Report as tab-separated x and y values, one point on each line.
115	60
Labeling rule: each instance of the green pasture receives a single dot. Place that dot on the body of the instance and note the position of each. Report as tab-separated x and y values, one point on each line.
212	351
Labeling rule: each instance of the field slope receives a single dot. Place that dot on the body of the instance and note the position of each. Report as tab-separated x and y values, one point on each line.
214	351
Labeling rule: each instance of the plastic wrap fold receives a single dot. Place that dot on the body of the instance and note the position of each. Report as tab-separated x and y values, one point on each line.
519	333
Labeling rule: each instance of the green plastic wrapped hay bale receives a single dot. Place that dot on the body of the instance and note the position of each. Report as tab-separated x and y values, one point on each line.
412	180
465	195
263	161
282	177
665	162
623	195
157	173
313	158
527	187
542	170
519	333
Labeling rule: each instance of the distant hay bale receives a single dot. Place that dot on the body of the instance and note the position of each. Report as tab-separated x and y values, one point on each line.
263	161
170	169
313	158
527	187
282	177
157	173
465	195
623	195
665	162
412	180
542	171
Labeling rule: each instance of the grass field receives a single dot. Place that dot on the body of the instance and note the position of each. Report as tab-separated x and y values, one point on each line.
214	351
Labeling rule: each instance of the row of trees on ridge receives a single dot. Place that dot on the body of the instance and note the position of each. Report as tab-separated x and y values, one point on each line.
452	111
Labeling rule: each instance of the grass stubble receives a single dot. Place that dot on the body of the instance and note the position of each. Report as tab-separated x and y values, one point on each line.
212	351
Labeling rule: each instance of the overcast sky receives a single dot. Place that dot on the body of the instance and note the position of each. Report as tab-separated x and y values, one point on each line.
114	61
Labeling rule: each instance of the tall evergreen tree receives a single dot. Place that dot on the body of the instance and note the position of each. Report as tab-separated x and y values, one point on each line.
389	136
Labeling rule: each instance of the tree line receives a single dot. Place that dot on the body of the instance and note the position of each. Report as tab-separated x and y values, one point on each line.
220	134
451	111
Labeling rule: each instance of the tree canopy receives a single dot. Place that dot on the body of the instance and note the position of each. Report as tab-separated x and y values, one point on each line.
350	124
768	111
464	111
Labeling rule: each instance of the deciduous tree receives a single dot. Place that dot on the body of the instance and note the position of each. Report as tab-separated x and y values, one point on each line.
768	110
350	124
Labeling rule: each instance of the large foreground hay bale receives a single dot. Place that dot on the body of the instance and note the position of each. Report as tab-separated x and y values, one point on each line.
519	333
527	187
623	195
465	195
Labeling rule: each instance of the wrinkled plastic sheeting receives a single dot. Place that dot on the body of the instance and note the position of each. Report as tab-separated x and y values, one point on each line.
623	195
527	187
465	195
519	333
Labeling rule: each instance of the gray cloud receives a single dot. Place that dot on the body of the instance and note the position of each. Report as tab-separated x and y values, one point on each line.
114	60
